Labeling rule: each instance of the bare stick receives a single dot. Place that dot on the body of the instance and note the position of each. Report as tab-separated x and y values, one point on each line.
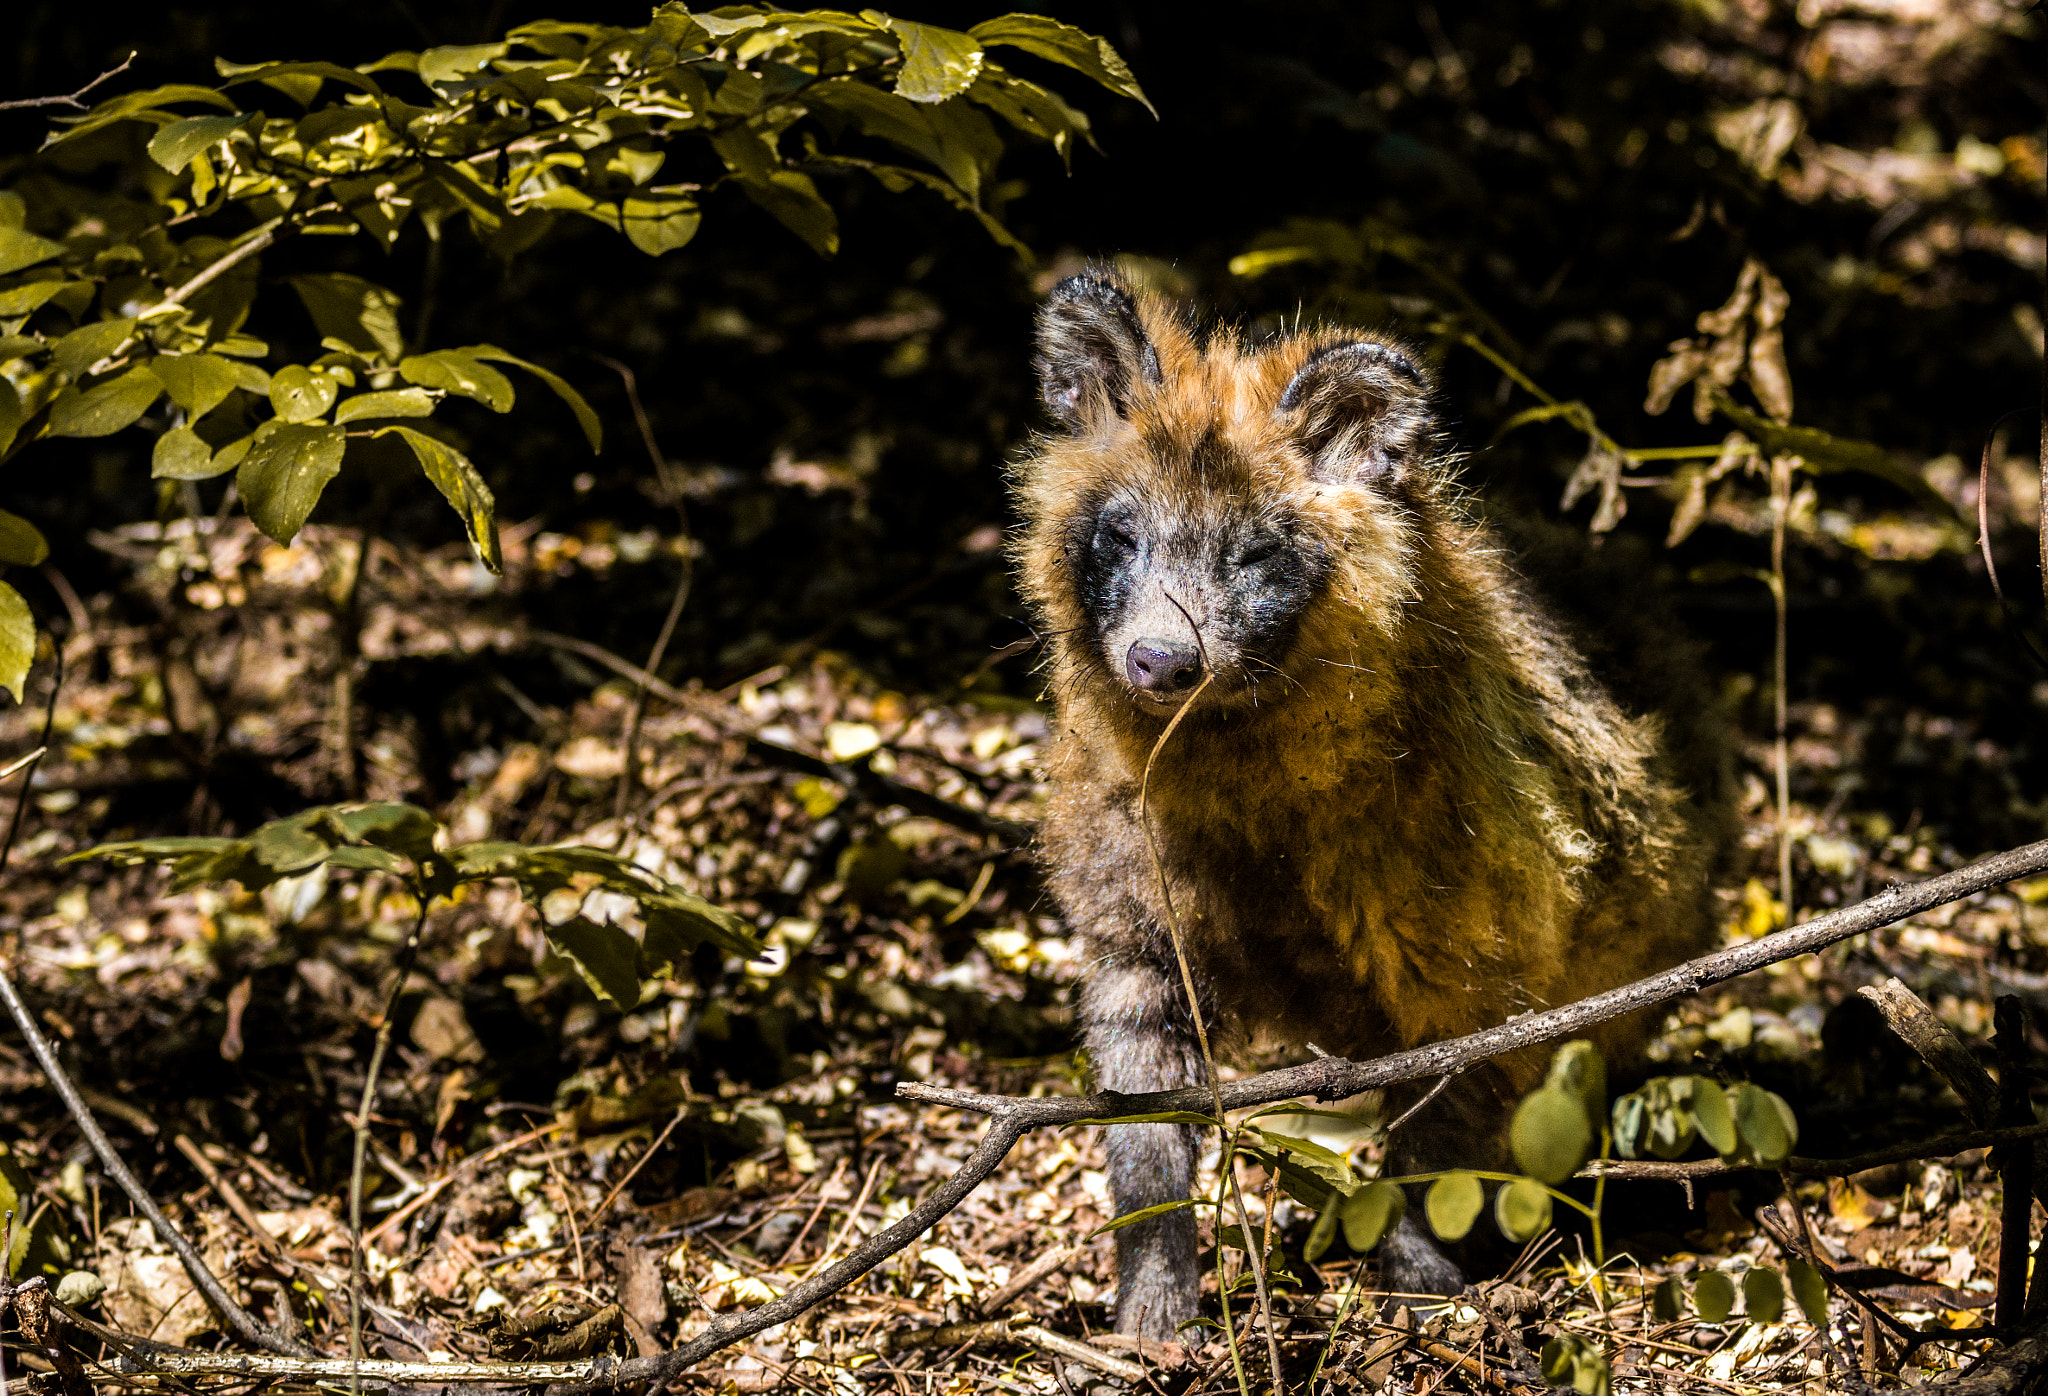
406	956
1781	506
2015	1162
673	489
238	1318
1024	1280
70	99
1907	1015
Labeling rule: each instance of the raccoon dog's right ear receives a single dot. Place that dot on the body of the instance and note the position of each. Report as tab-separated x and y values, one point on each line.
1092	350
1360	410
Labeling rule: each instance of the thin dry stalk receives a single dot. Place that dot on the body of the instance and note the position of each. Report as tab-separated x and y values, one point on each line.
1781	506
406	957
1187	979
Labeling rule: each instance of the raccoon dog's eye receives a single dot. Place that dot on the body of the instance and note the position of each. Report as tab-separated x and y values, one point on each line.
1118	537
1258	550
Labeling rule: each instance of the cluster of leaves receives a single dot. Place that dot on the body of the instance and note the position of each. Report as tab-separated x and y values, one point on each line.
1555	1130
563	884
119	294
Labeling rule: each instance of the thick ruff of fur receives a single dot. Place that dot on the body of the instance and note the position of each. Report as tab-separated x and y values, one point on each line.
1402	811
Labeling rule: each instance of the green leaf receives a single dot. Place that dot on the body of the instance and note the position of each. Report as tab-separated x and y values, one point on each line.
656	222
11	413
1161	1117
1765	1122
937	63
1671	1128
1710	1112
1064	44
1763	1295
787	195
593	430
359	313
606	958
394	402
461	486
1323	1234
21	543
20	248
17	640
297	843
451	62
85	346
175	145
1578	1069
1371	1212
1522	1210
104	410
1630	1120
1667	1301
1452	1204
300	395
1146	1214
1810	1288
1549	1134
29	297
181	455
457	371
1713	1294
404	828
1569	1360
197	382
1326	1166
282	476
677	921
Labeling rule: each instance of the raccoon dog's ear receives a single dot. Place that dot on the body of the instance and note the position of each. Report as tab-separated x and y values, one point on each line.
1360	411
1091	350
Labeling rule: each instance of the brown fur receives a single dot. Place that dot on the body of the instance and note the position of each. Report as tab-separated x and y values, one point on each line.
1423	818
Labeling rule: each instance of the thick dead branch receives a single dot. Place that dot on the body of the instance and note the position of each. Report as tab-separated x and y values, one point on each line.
1908	1016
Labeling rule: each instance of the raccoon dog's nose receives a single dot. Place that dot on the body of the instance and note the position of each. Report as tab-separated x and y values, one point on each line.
1164	667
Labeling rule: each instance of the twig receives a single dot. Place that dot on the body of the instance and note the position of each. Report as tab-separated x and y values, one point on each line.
1026	1279
2012	615
638	1164
238	1318
1434	1091
69	99
236	1203
671	488
789	1251
435	1188
1781	507
406	956
852	1214
2015	1163
963	1333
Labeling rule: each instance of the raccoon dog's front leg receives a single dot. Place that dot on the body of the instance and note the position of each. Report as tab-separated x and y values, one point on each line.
1140	1037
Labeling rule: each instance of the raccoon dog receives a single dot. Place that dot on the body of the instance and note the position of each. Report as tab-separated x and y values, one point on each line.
1401	810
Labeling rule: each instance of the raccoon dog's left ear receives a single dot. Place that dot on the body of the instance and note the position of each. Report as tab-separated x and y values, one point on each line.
1360	411
1092	350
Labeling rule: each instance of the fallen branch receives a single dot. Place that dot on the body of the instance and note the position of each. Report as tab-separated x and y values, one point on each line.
1326	1078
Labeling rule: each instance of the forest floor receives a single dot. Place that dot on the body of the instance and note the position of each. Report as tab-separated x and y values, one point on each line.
551	1178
